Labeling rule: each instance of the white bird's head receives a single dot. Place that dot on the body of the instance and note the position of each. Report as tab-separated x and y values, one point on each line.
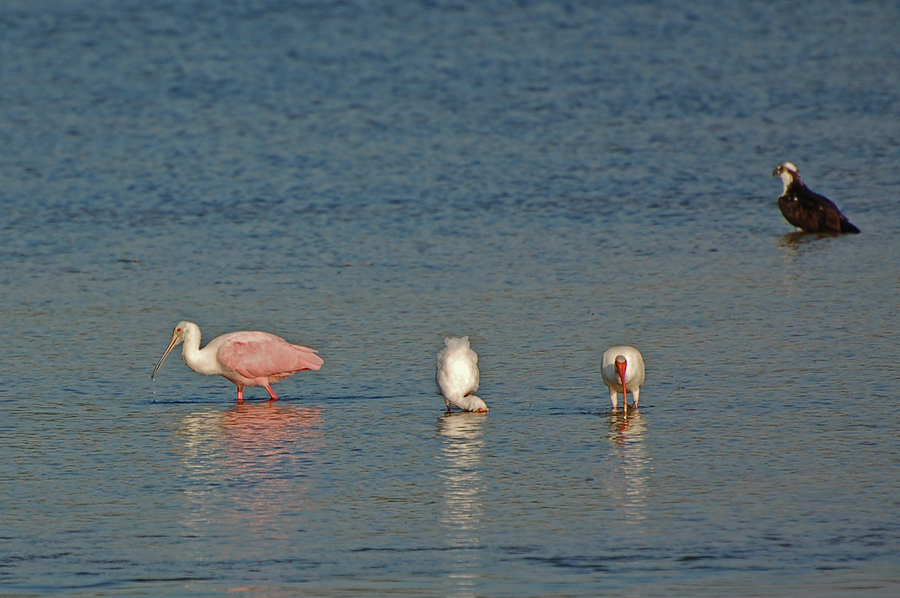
788	173
473	403
178	333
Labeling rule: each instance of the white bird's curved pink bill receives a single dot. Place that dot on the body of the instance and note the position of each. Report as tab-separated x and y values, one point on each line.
621	367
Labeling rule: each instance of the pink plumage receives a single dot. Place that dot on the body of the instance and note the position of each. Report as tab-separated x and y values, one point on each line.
247	358
252	355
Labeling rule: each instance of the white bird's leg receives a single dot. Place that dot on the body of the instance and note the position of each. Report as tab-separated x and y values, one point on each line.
447	403
614	397
636	394
240	393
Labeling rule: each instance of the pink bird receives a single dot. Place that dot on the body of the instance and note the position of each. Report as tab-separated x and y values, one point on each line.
247	358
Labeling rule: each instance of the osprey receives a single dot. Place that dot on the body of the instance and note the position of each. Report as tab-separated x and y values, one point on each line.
808	211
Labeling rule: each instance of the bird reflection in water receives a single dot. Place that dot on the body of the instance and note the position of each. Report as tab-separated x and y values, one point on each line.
796	249
248	465
626	432
462	512
799	239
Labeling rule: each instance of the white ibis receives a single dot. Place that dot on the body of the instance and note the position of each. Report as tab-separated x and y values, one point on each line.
247	358
622	368
808	211
457	375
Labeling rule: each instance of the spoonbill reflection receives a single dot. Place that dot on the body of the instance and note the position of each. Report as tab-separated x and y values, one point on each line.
622	368
250	468
457	375
247	358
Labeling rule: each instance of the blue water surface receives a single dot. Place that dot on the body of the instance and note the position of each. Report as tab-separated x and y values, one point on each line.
366	178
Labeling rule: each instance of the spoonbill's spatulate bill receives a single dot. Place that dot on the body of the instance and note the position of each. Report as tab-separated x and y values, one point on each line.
622	368
247	358
808	211
457	375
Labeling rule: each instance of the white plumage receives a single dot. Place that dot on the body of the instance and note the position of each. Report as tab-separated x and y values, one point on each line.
617	361
457	376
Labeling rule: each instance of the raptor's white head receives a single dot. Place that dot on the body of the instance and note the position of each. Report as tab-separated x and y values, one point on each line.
788	173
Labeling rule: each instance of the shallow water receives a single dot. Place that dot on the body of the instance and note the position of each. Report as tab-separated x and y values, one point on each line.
548	179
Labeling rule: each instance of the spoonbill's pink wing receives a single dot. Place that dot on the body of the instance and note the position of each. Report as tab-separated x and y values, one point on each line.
263	355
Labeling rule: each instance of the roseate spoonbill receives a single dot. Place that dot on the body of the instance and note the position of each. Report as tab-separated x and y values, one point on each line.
808	211
247	358
622	368
457	376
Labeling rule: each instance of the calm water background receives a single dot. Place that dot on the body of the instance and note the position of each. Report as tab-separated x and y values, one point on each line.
365	178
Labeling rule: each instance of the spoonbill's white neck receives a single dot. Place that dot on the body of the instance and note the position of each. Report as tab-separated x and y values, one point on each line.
202	361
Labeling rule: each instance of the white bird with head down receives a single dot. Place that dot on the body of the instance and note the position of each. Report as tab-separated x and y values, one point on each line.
457	375
622	368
